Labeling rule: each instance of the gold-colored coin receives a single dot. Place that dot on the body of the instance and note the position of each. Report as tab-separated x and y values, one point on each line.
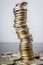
22	4
20	10
25	44
23	31
20	7
25	41
20	17
21	14
24	26
25	57
28	55
18	25
26	51
22	49
21	36
20	22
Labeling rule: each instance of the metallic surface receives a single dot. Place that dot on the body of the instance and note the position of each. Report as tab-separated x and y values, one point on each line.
25	47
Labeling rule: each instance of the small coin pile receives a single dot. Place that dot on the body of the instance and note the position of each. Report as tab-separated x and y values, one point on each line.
20	12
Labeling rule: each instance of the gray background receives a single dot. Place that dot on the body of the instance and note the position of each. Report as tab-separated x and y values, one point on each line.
8	37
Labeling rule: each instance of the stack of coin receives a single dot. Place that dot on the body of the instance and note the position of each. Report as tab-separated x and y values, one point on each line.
26	51
20	12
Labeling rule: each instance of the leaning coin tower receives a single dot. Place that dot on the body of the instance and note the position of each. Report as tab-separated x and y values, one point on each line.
25	47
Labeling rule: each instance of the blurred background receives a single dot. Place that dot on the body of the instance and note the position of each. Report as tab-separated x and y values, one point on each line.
8	37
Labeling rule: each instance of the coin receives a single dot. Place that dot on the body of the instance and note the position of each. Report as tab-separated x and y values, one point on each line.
20	10
24	26
20	6
23	3
21	27
21	14
21	17
22	37
25	44
18	25
26	55
20	22
23	30
25	40
25	48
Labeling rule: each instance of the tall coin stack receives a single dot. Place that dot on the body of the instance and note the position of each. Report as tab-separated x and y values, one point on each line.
20	12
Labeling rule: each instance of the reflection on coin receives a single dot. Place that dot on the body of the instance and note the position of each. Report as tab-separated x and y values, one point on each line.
20	12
